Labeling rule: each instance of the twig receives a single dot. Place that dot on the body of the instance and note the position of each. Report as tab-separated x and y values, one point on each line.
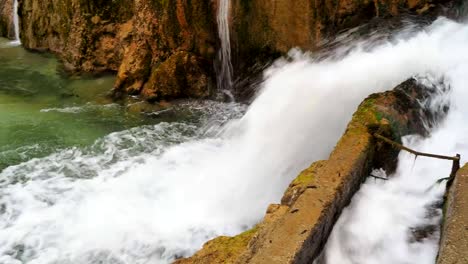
455	159
417	153
377	177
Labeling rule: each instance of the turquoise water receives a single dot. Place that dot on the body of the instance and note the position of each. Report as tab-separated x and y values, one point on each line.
43	111
102	182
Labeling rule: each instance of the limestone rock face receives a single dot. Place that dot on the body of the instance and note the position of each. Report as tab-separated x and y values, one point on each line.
6	19
142	40
279	25
182	74
131	37
168	34
454	241
88	36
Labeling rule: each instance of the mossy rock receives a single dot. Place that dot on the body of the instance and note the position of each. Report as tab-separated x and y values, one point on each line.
222	249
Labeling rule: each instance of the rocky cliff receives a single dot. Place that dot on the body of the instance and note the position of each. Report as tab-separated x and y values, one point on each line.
171	52
88	36
162	49
165	49
262	29
6	19
279	25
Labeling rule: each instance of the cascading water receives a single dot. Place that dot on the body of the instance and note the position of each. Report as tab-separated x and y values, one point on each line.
16	23
151	193
225	70
398	221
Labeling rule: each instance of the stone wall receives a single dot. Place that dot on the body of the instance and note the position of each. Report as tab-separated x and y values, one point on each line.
454	240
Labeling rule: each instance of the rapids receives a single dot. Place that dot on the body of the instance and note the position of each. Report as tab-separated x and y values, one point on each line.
156	190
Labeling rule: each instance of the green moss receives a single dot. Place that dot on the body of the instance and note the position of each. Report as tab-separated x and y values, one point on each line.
236	243
307	176
227	249
303	179
366	113
378	115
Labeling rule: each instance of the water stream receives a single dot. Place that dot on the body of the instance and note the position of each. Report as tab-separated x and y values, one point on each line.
398	221
85	181
17	40
225	70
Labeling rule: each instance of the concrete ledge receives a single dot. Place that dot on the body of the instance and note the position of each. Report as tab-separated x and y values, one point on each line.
296	230
454	240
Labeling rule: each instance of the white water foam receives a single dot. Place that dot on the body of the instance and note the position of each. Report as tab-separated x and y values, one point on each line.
150	194
386	220
79	109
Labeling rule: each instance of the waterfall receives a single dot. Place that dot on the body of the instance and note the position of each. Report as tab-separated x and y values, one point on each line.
225	70
16	23
151	193
398	221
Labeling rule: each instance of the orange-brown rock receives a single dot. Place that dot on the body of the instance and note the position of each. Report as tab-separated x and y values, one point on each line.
133	38
162	31
454	240
279	25
265	29
296	230
182	74
88	36
6	19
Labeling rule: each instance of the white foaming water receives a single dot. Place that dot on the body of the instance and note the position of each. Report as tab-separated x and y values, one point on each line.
149	194
17	40
386	220
224	76
78	109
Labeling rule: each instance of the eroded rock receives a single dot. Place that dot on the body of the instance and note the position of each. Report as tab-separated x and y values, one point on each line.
6	19
181	75
134	38
454	240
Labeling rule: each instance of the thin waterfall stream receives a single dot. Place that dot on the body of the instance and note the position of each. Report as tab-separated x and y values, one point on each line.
148	190
16	23
225	69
